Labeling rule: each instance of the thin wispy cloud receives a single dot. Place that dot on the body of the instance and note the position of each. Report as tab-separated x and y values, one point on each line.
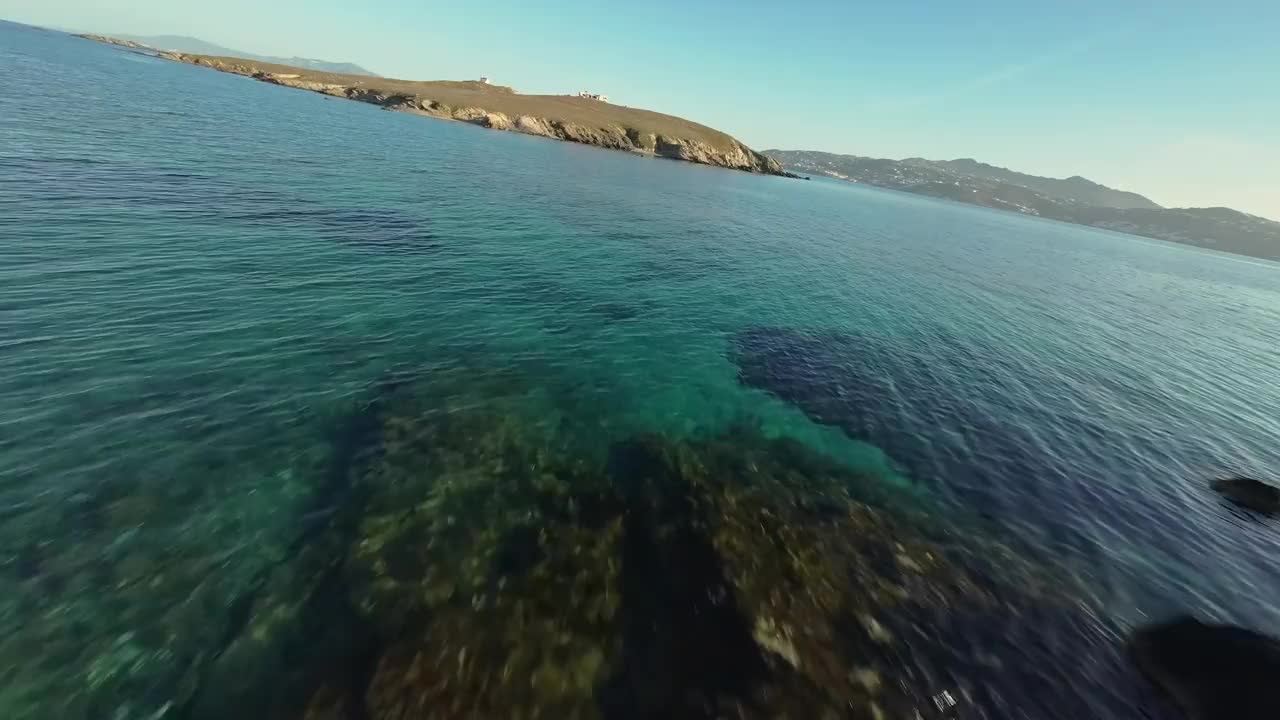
994	77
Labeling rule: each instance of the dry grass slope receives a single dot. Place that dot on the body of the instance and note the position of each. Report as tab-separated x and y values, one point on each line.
562	117
497	98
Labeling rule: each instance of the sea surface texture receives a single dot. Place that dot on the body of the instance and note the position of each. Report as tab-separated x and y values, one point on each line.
311	410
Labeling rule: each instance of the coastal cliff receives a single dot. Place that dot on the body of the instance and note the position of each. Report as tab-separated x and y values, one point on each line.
562	117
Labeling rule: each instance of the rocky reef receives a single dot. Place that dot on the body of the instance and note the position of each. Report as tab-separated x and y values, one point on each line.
838	379
492	569
580	120
455	556
885	392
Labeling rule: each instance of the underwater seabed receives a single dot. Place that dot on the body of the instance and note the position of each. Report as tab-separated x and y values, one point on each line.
452	554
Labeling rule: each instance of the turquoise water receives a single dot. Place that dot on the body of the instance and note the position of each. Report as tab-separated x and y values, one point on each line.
199	272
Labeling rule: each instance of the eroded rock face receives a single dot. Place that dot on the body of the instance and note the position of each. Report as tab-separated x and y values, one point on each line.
1250	494
645	142
373	97
296	82
738	156
483	118
532	126
1212	671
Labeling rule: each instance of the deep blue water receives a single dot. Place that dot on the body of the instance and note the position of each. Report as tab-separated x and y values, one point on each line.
197	269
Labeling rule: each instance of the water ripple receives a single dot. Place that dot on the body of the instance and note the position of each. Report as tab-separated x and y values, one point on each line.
197	274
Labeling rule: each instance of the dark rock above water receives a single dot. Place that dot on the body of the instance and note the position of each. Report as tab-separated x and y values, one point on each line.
1213	672
1250	494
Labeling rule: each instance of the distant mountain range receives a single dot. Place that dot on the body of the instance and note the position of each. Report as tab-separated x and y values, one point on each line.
1073	200
182	43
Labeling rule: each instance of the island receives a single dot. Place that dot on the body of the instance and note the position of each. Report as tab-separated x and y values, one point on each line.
188	44
575	118
1074	200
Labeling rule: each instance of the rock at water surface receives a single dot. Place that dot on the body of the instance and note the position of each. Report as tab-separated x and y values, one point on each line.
1213	672
1250	494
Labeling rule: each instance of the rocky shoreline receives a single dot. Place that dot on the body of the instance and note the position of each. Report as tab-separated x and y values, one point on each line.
492	107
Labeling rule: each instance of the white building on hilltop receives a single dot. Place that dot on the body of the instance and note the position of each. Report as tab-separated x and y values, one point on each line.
593	96
484	79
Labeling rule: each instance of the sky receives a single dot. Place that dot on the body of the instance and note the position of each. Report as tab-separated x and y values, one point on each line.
1177	100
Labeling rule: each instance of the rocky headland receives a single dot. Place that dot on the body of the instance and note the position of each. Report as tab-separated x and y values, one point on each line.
563	117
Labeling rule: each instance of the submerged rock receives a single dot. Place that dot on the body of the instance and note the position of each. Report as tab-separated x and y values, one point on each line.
483	118
858	608
1212	672
489	567
504	573
841	380
897	397
1250	494
469	560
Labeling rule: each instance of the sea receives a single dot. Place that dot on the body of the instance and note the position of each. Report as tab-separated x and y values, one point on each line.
204	279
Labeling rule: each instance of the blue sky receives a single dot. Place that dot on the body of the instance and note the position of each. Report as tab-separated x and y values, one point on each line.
1177	100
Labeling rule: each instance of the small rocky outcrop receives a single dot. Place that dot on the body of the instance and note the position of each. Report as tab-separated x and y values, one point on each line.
1212	672
483	118
294	81
1250	494
645	142
532	125
612	137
